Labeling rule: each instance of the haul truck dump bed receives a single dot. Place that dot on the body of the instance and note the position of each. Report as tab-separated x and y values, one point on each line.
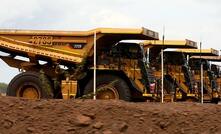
153	49
63	45
171	44
203	52
209	58
119	65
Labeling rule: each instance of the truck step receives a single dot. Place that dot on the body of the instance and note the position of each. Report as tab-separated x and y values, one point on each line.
168	98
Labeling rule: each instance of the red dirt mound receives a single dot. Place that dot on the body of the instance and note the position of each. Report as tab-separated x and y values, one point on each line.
106	117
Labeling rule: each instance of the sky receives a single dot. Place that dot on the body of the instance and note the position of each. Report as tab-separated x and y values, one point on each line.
198	20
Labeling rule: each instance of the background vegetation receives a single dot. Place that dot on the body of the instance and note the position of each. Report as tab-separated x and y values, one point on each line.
3	87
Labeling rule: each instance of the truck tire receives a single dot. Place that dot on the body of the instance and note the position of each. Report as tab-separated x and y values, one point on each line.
30	85
108	87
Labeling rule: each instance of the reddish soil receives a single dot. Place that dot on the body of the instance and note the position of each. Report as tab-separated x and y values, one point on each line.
106	117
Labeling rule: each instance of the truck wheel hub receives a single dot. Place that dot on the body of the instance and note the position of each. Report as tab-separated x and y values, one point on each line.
108	93
29	93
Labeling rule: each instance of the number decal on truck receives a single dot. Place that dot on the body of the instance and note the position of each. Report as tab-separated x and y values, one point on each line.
42	40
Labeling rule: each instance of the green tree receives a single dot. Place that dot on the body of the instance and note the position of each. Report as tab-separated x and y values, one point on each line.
3	87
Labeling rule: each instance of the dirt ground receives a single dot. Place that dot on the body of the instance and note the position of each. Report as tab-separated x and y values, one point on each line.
106	117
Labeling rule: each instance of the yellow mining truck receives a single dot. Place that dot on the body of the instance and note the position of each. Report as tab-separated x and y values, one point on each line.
214	67
177	79
216	70
211	76
210	91
59	64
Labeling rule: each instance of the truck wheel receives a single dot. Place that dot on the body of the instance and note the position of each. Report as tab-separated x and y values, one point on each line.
30	85
109	87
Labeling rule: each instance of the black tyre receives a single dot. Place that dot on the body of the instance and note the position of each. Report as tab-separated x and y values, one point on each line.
30	85
109	87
